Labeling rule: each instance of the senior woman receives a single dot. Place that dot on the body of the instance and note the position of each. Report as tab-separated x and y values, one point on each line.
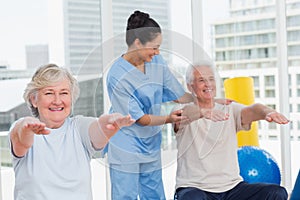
52	150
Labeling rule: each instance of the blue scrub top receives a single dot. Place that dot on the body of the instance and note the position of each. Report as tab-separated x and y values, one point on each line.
136	93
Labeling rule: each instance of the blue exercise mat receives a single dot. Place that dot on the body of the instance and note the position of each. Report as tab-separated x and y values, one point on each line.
296	191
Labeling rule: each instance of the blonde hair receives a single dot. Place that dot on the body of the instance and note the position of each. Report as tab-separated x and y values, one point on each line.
45	76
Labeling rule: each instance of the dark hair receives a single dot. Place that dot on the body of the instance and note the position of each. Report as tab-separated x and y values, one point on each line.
141	26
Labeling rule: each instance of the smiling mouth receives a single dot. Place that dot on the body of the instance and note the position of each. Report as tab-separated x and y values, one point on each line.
56	109
208	90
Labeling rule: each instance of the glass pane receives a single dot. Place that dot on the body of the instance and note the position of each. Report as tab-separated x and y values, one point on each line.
244	44
238	35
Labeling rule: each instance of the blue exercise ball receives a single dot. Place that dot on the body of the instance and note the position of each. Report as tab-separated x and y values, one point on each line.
258	166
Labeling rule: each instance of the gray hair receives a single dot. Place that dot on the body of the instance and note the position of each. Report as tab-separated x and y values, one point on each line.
189	76
45	76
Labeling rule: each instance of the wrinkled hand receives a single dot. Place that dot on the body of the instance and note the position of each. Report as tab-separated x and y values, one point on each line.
194	112
116	121
31	125
22	135
214	115
224	101
276	117
176	116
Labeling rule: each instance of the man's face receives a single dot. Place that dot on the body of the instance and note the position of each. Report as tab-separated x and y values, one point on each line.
203	85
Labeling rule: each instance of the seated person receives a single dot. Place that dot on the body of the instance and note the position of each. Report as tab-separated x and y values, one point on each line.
207	145
52	149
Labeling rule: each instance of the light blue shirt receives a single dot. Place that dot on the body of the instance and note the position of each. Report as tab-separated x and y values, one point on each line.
57	166
136	93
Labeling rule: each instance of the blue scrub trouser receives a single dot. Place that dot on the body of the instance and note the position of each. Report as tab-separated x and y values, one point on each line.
243	191
133	180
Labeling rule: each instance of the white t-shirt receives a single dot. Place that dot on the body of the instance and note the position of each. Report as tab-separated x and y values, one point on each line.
57	166
207	152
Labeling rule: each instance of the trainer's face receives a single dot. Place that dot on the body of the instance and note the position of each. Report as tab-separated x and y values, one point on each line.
150	49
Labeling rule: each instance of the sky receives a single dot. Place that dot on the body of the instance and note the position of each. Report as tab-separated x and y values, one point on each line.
24	24
27	24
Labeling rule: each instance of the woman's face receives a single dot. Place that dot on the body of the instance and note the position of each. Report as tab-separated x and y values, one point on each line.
54	103
150	49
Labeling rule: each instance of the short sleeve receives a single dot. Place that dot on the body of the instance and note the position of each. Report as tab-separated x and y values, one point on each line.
83	125
237	110
172	88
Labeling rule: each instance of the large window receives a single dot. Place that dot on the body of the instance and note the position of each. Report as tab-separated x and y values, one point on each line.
238	35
